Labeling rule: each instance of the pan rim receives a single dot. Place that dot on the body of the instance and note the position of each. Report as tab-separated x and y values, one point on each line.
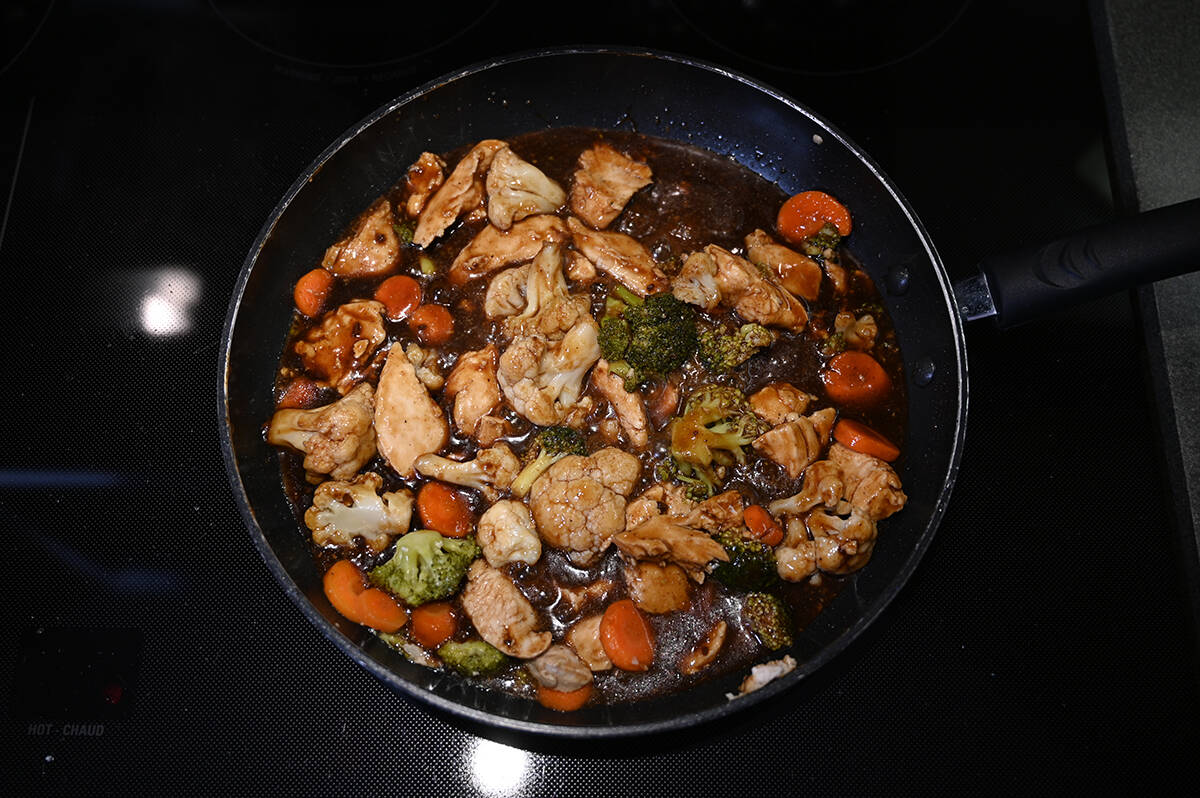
687	719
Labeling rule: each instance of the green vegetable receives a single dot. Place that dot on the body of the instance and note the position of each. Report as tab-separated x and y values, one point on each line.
712	432
751	563
769	618
551	445
825	238
404	231
833	344
426	567
646	338
473	658
427	265
722	352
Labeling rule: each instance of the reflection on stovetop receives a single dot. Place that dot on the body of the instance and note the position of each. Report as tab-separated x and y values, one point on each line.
1043	644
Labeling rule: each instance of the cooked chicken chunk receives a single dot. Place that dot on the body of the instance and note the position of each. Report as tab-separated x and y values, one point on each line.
501	615
696	282
543	380
576	598
462	192
871	485
798	274
762	675
621	257
579	503
506	533
796	444
580	269
584	637
560	668
715	513
373	248
841	544
604	181
657	588
473	387
517	188
408	422
780	402
630	410
705	651
661	539
338	349
424	177
337	439
493	248
753	296
711	515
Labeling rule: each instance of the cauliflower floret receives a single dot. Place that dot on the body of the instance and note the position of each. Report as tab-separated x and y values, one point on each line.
337	439
425	361
507	534
857	333
337	351
343	510
517	188
696	282
543	379
579	503
492	470
505	294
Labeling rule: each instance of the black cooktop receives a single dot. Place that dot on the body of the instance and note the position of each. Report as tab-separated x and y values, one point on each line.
1045	644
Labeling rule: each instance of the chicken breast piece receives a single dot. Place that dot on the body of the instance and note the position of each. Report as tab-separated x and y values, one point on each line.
796	444
630	410
579	503
798	274
373	248
604	182
463	191
621	257
517	188
560	668
753	296
662	539
506	533
422	179
338	350
870	484
780	402
473	386
584	638
493	248
501	615
408	423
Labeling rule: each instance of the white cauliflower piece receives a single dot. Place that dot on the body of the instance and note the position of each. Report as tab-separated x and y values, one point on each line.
336	439
579	503
543	380
342	511
492	470
517	188
506	533
761	675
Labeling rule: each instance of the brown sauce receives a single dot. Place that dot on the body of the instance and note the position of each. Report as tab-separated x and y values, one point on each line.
697	198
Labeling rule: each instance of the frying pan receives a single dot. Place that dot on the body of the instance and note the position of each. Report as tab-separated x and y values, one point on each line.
679	98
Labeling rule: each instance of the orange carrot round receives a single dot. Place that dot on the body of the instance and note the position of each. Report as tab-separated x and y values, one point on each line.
299	393
346	588
434	623
563	701
807	212
400	295
861	438
762	526
444	509
855	379
626	636
433	324
312	292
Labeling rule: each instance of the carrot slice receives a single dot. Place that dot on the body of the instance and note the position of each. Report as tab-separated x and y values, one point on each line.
763	527
346	588
433	324
861	438
434	623
807	212
400	295
856	379
563	701
312	292
299	393
445	510
626	636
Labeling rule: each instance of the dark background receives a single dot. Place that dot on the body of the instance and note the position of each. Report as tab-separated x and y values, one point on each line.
1046	644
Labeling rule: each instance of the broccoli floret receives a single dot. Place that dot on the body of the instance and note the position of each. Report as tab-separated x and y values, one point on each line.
751	563
405	231
697	483
473	658
646	338
722	352
711	433
425	567
551	445
827	237
768	618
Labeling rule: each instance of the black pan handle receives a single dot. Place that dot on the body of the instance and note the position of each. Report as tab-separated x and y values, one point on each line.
1085	265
